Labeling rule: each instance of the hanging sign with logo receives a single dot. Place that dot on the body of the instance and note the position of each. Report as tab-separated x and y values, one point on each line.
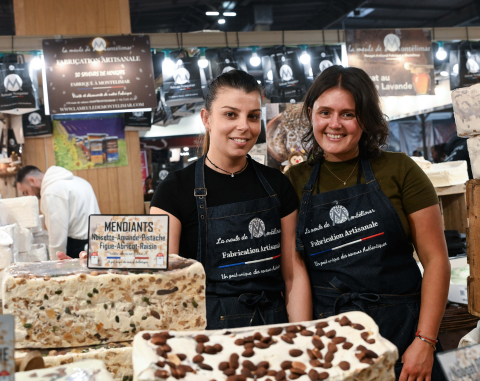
461	364
128	242
18	87
289	78
226	62
138	119
468	68
99	74
36	123
399	61
181	80
7	348
323	57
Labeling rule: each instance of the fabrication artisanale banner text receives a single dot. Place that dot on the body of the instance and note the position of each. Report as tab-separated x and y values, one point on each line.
399	61
86	75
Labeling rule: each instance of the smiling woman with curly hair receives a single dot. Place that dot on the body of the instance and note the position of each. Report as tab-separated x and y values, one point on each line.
362	211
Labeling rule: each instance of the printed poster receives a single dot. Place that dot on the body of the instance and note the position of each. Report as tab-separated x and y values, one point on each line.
399	61
285	130
468	68
462	364
36	124
99	74
89	141
128	242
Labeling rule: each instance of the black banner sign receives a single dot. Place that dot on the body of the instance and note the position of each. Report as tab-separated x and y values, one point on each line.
181	80
17	88
99	74
226	61
399	61
468	68
36	123
288	77
138	119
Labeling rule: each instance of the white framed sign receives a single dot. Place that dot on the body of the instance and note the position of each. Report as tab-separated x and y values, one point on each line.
461	364
135	242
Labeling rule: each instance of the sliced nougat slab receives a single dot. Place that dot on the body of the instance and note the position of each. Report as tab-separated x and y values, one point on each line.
60	304
117	358
344	347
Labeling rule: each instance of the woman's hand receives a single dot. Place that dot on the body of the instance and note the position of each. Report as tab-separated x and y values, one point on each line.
417	362
62	256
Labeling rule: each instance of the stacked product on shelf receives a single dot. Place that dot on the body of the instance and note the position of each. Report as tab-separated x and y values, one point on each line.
343	347
466	106
63	304
91	370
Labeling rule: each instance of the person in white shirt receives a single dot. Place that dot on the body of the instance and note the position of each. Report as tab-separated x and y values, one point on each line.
66	201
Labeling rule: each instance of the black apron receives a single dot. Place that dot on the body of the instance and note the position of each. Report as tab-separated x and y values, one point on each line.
359	258
75	246
239	247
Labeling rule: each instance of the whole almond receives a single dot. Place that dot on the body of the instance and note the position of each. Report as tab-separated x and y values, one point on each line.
260	372
329	357
347	346
306	332
250	365
146	336
248	352
332	348
280	376
286	339
218	348
323	376
331	334
294	370
345	321
204	366
261	345
315	363
313	375
295	352
344	365
321	325
320	332
257	336
317	342
239	342
223	365
286	365
197	359
263	364
201	338
247	372
316	352
199	348
234	361
159	340
229	372
310	354
210	350
299	365
359	327
161	373
275	331
327	365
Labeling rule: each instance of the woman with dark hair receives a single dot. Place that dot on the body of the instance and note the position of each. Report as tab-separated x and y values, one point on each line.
361	210
237	217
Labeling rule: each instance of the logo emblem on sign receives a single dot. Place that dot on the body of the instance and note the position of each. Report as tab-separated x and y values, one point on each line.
138	114
181	75
324	65
227	69
34	118
13	82
391	42
472	66
286	73
160	259
99	44
256	228
163	174
339	214
94	258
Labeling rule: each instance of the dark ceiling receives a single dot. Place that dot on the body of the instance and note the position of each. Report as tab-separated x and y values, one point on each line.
150	16
156	16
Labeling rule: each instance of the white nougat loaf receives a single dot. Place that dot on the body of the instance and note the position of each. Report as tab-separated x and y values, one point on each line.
60	304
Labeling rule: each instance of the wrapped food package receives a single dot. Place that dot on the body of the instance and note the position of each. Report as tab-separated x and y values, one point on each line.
473	145
89	370
117	358
22	211
60	304
343	347
448	174
466	107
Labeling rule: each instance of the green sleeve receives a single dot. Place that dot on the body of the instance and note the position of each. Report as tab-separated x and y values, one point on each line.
418	191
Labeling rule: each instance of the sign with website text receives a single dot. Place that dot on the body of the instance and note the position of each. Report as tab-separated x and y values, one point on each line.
136	242
7	348
99	74
461	364
399	61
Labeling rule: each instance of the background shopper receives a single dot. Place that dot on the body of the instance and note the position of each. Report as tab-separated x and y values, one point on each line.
66	201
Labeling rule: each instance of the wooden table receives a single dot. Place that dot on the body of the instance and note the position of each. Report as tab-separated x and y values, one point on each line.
453	207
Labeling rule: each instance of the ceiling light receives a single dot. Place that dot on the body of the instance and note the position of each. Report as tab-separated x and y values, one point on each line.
304	57
37	62
203	62
212	13
221	21
441	53
444	73
255	59
229	14
167	64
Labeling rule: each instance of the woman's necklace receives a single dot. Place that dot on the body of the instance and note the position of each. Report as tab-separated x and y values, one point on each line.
232	173
344	182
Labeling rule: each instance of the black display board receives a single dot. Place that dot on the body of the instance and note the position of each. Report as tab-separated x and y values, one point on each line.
17	88
99	74
36	123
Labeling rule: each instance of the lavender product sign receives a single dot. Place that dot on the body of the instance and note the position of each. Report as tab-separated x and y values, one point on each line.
99	74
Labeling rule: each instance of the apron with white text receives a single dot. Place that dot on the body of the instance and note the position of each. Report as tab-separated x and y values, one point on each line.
359	258
239	247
